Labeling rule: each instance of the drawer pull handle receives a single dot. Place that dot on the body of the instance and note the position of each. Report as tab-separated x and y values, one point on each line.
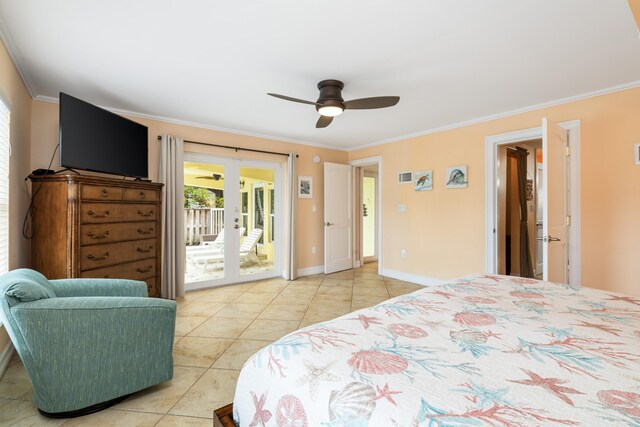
142	213
143	231
95	258
142	195
98	236
144	251
143	270
104	192
106	276
97	215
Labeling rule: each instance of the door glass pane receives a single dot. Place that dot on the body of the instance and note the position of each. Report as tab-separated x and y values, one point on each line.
203	221
256	247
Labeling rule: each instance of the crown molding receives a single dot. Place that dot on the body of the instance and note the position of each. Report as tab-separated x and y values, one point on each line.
15	57
202	125
593	94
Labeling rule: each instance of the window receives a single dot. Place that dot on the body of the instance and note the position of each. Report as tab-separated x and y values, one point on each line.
245	211
5	152
258	209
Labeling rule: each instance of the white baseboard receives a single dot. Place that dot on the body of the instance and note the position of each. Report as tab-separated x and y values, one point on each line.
413	278
309	271
5	357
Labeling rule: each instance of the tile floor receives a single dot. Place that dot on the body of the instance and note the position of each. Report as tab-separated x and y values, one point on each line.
216	332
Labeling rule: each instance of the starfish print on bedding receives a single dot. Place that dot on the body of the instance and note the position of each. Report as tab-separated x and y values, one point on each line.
605	328
630	300
552	385
386	393
262	416
314	375
366	321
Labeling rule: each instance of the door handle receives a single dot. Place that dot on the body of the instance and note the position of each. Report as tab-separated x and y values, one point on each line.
236	226
329	224
548	239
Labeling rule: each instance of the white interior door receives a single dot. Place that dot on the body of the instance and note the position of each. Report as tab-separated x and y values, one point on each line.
555	235
338	202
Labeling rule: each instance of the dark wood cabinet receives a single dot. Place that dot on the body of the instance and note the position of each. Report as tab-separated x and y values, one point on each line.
90	226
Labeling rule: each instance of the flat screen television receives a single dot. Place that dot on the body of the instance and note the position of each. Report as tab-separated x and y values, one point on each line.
98	140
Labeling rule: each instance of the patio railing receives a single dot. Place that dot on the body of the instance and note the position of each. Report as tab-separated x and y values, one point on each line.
199	221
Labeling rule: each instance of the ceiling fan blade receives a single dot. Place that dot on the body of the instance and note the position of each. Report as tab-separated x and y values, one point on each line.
324	121
372	103
288	98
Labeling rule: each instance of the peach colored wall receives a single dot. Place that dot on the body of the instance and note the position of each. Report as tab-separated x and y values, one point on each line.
309	225
14	91
635	9
443	231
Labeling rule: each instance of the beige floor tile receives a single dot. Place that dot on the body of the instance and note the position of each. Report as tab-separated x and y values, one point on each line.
241	311
331	299
262	329
364	283
15	381
338	307
226	294
366	301
334	290
293	298
396	290
283	312
162	397
186	324
306	323
19	412
254	297
337	282
270	286
115	417
238	353
180	421
214	389
199	352
347	274
302	287
221	327
200	308
322	315
370	292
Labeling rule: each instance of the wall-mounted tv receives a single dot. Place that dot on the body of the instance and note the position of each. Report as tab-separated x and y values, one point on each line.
98	140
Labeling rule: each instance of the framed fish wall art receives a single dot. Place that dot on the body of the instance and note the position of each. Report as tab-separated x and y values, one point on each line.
423	180
456	177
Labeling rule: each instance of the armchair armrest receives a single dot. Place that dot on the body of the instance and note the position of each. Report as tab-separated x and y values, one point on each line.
98	287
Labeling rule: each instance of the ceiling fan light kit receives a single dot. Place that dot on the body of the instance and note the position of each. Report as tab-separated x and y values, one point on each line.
331	104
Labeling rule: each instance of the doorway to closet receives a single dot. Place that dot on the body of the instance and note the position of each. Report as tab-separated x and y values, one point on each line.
232	216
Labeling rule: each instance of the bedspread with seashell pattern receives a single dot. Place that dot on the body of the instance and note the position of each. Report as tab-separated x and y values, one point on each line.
481	350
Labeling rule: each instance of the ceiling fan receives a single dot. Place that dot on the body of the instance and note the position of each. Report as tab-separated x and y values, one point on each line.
331	104
213	176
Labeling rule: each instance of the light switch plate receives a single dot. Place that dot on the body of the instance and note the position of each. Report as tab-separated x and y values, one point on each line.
636	154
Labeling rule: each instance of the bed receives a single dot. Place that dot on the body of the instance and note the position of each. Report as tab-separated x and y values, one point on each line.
481	350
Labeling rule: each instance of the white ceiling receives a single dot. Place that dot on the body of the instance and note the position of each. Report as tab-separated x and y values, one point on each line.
212	62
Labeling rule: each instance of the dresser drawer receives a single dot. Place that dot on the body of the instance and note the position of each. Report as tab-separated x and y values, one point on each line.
96	256
138	270
117	212
151	287
100	192
137	195
95	234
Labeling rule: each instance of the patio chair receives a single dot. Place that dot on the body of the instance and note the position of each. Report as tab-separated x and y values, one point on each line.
248	249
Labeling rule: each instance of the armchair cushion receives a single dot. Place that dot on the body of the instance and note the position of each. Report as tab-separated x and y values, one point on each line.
25	285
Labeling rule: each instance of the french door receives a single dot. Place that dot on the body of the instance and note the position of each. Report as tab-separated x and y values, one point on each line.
232	219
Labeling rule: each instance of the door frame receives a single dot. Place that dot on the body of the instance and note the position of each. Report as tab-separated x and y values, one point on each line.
232	264
373	258
492	142
365	162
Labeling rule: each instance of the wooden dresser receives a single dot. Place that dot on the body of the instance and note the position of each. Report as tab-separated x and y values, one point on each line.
89	226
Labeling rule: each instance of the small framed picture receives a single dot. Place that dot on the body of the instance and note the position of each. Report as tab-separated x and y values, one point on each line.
456	177
305	187
423	180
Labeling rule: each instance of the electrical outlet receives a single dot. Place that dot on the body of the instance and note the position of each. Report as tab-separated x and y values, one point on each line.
313	249
313	208
636	154
402	208
403	253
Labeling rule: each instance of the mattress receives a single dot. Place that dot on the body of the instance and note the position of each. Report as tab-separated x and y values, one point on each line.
481	350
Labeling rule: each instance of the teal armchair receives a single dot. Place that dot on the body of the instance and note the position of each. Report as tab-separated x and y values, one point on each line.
86	343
